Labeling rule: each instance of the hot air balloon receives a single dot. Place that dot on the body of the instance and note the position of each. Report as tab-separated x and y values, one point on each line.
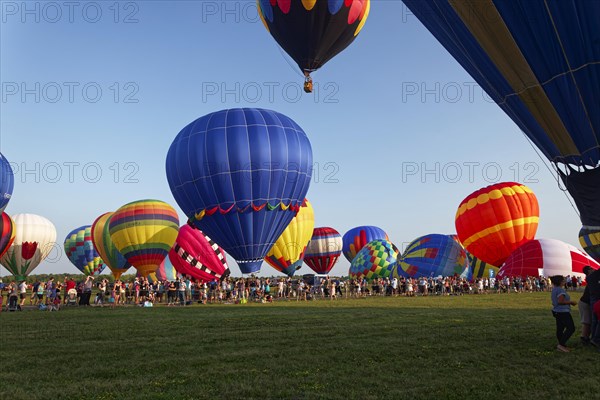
240	176
165	272
356	238
540	61
198	256
6	182
375	260
313	32
478	268
106	248
323	250
492	222
287	253
7	232
589	238
431	256
144	231
546	257
35	238
80	251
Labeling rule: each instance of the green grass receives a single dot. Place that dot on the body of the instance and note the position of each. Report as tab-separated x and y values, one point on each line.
494	346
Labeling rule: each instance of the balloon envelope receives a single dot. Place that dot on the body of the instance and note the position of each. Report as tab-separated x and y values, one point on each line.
492	222
323	250
35	238
6	182
546	257
196	255
81	252
240	176
144	231
103	244
287	253
7	232
375	260
356	238
313	32
538	60
432	256
477	267
589	238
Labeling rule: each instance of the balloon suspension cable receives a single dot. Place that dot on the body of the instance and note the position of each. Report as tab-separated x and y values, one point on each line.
554	173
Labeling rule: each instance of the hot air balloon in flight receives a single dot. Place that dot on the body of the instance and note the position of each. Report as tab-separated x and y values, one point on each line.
35	238
198	256
81	252
287	254
492	222
539	60
356	238
313	32
589	238
546	257
240	176
7	232
375	260
432	256
144	231
106	248
6	182
323	250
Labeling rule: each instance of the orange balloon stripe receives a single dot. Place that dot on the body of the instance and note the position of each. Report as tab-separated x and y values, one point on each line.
478	198
529	223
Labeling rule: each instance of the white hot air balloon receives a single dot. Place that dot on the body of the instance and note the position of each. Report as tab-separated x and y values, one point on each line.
34	239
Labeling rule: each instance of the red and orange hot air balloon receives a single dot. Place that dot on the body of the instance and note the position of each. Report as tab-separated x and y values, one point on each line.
492	222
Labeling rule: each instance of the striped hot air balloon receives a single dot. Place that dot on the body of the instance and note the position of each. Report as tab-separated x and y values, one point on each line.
589	238
356	238
431	256
106	248
323	250
81	252
477	267
7	232
287	253
144	231
494	221
375	260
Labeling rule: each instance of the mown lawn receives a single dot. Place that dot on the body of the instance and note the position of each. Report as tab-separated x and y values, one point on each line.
479	347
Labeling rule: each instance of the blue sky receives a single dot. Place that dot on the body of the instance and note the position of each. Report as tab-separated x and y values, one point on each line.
93	96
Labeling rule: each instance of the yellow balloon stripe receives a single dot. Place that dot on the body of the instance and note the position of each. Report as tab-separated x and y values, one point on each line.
309	4
362	22
500	227
492	195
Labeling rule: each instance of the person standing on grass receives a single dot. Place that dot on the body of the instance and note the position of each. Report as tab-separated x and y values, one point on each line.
561	310
593	283
585	312
22	292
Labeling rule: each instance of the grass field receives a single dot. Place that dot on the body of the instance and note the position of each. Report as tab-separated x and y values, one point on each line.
493	346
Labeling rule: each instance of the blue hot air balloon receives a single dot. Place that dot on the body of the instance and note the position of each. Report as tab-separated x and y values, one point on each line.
6	182
241	175
540	61
357	238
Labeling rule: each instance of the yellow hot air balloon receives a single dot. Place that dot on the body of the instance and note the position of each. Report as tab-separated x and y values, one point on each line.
288	252
106	248
144	231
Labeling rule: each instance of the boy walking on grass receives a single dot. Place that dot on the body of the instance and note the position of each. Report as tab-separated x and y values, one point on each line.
561	310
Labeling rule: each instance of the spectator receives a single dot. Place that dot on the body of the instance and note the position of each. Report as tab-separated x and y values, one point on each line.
593	283
585	312
561	310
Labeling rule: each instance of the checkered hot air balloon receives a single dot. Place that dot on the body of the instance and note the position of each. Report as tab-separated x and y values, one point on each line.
375	260
494	221
144	231
80	250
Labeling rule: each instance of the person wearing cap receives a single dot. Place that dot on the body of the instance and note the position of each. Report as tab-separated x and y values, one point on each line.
585	311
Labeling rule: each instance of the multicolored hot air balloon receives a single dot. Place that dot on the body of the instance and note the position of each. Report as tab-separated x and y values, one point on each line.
7	232
313	32
546	257
6	182
287	253
492	222
198	256
106	248
375	260
35	238
144	231
165	272
539	60
589	238
81	252
356	238
240	176
432	256
478	268
323	250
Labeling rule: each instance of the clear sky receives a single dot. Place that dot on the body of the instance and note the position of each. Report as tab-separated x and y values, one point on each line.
93	93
